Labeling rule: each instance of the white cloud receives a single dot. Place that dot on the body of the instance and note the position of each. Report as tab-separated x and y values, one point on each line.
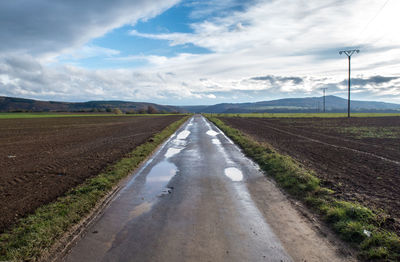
281	38
151	59
46	28
88	51
212	96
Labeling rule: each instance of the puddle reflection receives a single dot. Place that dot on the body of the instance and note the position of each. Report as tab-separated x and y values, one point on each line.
234	174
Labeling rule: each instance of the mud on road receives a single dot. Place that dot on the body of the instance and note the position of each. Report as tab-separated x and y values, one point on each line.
42	158
358	158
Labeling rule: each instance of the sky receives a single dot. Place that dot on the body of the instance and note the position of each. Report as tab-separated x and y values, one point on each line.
195	52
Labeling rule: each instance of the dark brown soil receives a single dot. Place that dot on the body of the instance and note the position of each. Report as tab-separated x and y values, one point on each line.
358	168
42	158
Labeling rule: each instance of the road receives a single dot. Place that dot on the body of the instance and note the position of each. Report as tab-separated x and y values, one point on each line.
191	202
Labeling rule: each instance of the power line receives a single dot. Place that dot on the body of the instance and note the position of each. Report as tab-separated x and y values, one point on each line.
370	22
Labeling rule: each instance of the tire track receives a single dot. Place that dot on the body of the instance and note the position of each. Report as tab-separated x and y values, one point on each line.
335	146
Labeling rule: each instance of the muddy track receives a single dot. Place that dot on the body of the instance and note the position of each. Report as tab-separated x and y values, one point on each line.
40	159
363	170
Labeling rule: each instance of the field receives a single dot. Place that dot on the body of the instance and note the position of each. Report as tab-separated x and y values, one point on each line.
358	158
42	158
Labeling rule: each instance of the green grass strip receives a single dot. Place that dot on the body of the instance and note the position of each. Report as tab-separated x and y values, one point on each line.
304	115
38	232
354	223
52	115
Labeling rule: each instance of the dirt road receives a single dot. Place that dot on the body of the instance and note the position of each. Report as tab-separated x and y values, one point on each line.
200	199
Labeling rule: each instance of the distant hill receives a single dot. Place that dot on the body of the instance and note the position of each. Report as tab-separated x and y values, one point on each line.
288	105
12	104
300	105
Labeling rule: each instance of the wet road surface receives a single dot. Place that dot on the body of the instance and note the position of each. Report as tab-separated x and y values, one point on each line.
189	202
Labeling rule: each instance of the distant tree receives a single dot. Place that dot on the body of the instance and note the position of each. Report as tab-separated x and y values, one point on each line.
109	109
142	111
117	111
152	110
131	111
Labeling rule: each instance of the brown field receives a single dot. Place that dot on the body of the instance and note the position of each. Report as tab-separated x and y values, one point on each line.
42	158
359	158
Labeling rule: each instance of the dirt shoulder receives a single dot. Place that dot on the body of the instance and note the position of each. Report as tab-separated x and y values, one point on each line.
302	235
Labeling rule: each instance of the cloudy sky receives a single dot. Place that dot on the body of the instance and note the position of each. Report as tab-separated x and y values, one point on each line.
198	52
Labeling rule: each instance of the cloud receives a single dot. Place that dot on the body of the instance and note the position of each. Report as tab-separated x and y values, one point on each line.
45	27
70	83
286	36
212	96
151	59
211	8
275	79
373	80
259	50
89	51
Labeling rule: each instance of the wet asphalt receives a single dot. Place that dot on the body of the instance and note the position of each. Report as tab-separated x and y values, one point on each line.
189	202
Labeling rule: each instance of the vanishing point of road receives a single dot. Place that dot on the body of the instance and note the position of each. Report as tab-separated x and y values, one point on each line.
191	202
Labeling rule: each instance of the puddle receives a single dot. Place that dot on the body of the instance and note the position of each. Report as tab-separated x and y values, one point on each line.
166	191
205	122
140	209
216	141
183	135
157	180
178	142
162	172
211	133
172	151
234	174
222	150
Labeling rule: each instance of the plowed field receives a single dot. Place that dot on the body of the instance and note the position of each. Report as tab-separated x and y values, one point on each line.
40	159
359	158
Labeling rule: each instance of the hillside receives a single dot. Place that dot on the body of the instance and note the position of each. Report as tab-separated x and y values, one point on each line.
287	105
11	104
308	104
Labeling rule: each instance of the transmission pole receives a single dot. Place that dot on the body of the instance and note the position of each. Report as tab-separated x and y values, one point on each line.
324	88
349	53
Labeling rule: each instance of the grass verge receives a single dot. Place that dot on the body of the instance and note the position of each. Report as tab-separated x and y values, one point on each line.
36	233
306	115
354	223
52	115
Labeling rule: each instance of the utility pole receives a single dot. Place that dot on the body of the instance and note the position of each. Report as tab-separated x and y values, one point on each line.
349	53
324	88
